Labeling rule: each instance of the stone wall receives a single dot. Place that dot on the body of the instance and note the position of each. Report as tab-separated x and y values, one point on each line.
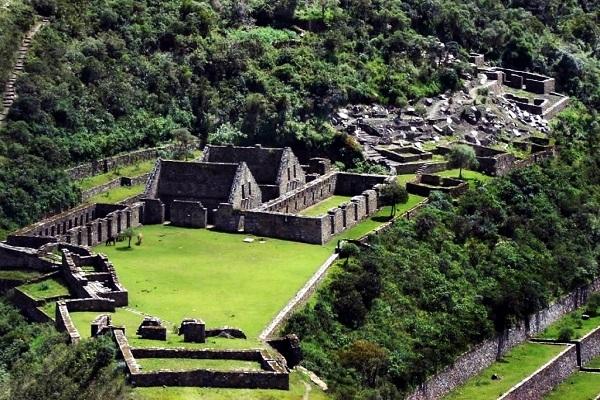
64	323
484	354
190	214
302	198
216	379
115	183
589	346
205	354
411	168
109	164
425	184
534	83
24	258
209	183
543	380
285	226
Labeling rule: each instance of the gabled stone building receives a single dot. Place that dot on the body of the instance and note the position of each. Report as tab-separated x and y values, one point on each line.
189	193
277	170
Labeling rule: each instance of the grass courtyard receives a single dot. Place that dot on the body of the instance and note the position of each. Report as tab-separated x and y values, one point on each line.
117	195
131	171
178	273
518	364
322	207
579	386
45	289
574	321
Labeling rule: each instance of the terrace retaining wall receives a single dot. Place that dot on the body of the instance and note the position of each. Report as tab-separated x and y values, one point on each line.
105	165
484	354
543	380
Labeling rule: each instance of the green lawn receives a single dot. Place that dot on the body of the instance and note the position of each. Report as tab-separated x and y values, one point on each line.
404	179
322	207
184	364
468	175
45	289
118	194
18	274
581	327
519	363
579	386
594	363
299	386
179	273
129	171
373	222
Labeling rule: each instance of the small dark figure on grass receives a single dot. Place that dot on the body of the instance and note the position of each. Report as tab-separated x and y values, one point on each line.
111	241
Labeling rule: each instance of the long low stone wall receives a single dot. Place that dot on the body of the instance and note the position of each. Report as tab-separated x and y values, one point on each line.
109	164
86	225
484	354
115	183
216	379
542	381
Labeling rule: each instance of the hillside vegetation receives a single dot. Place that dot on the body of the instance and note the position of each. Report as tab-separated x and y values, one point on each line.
430	288
109	76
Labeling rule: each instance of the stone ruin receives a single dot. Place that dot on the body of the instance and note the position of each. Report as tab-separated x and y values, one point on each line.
193	330
424	184
152	328
260	191
498	108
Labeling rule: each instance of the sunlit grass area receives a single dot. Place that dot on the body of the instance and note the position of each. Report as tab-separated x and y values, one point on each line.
117	195
518	364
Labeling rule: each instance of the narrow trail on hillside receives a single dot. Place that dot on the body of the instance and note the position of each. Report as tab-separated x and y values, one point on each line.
9	95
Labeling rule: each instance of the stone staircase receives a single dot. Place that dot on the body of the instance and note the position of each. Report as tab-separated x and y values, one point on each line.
422	170
10	94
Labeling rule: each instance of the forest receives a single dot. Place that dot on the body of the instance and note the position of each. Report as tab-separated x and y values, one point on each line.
459	272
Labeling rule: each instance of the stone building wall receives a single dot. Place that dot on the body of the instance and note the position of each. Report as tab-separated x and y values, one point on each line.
304	197
483	355
86	225
209	183
190	214
546	378
285	226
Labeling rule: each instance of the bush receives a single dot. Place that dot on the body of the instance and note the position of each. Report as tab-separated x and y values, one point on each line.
348	250
593	304
566	333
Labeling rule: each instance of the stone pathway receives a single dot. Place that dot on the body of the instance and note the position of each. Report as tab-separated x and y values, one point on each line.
10	95
142	314
298	298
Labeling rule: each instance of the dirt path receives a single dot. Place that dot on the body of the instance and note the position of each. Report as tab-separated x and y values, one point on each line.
9	95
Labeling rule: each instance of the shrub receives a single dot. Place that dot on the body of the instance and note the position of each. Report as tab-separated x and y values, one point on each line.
566	333
591	308
348	250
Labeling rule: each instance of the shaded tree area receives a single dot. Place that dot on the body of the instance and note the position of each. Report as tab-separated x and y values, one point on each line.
36	363
459	272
